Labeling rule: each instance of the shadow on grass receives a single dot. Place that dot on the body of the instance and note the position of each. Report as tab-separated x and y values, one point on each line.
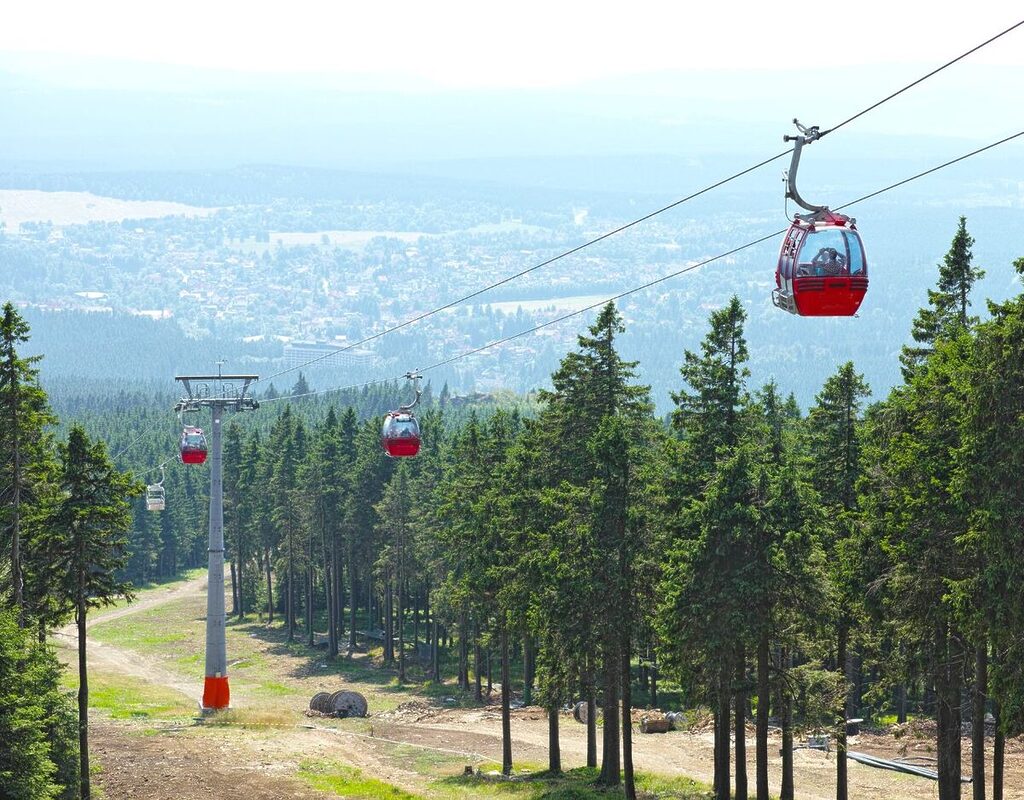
575	784
363	667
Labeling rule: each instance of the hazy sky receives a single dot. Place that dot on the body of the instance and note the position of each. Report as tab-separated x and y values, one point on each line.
528	43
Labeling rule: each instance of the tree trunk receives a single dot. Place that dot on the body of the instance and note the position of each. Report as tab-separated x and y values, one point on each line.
589	693
234	589
786	714
947	689
337	567
627	721
464	654
978	719
554	749
741	725
270	587
83	698
401	632
331	587
654	683
435	663
241	575
415	621
763	694
610	764
722	783
901	704
998	754
289	607
353	593
842	638
506	715
309	602
527	670
389	625
477	688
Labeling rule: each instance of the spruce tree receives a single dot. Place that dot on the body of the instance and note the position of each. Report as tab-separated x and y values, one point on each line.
834	442
26	769
86	542
948	304
24	462
710	420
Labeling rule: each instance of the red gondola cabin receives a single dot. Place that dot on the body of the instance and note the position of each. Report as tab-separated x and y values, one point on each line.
193	445
822	270
400	436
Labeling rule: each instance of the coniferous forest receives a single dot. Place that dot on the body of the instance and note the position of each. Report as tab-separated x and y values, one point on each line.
744	556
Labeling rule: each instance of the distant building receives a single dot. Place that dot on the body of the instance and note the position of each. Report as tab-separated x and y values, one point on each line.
298	353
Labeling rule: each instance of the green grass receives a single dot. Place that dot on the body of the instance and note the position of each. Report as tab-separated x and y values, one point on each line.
148	589
576	784
348	782
123	697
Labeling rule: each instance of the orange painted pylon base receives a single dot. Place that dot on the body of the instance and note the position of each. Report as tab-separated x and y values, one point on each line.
216	693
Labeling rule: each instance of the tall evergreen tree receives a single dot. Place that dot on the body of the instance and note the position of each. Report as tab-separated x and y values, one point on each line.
710	420
87	540
26	768
24	462
834	442
948	303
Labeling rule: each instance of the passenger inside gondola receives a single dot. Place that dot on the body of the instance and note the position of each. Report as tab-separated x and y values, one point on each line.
829	261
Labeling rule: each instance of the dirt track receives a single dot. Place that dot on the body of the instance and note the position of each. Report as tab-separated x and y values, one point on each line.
189	763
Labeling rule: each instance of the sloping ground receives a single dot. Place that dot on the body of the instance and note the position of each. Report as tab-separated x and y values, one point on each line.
410	741
167	766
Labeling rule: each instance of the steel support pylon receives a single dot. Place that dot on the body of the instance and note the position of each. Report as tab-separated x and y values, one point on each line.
219	393
216	694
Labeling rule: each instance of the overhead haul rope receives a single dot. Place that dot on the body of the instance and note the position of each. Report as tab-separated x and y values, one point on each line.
528	270
923	78
663	278
644	218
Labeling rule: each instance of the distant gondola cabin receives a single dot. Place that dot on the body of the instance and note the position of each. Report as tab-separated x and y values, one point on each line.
155	498
193	446
400	435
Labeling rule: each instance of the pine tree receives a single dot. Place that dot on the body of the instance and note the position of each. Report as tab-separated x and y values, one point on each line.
710	420
26	769
395	526
591	388
912	511
24	460
86	542
947	305
301	387
834	443
989	483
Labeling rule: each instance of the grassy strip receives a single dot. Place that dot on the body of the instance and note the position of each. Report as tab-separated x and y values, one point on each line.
124	697
348	782
150	589
576	784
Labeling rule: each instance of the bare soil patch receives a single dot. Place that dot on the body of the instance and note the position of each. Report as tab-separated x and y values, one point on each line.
167	766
